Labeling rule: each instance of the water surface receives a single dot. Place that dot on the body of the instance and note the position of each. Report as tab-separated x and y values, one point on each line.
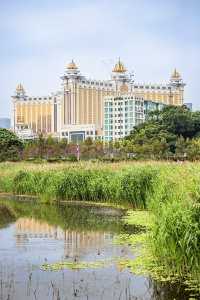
33	235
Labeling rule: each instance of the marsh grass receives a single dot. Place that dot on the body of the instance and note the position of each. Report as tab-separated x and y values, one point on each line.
176	224
114	184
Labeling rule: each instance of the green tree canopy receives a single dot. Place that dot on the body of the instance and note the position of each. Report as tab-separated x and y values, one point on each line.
166	130
10	145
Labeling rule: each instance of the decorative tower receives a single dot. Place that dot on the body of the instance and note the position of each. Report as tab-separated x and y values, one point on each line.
176	89
121	77
20	92
72	73
70	79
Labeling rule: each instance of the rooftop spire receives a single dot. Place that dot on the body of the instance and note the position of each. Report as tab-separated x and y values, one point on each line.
176	75
20	89
119	67
72	65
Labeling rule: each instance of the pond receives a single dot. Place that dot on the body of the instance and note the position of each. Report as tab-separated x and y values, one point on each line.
34	237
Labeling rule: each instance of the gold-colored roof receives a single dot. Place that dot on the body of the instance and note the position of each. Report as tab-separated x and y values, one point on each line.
72	66
20	88
119	67
176	74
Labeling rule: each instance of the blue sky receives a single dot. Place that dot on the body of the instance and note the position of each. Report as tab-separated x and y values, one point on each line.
39	37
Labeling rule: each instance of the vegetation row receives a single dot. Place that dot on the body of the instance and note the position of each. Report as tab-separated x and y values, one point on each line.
172	134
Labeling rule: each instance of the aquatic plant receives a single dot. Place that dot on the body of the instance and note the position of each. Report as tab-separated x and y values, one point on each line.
75	265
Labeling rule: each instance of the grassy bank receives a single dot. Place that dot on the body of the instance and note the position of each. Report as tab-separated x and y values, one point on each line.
170	191
116	183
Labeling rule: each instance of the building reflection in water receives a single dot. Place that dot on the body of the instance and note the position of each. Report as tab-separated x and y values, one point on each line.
76	243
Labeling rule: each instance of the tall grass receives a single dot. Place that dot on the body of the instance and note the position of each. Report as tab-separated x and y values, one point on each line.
136	185
129	184
175	205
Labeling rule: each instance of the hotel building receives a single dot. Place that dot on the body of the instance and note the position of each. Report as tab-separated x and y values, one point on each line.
121	114
76	111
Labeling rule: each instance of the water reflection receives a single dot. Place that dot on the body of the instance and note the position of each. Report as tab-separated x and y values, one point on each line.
34	234
76	243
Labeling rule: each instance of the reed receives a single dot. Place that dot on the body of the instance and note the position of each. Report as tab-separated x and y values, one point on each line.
118	186
175	205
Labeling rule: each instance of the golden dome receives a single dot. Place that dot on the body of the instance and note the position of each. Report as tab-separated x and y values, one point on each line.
20	88
72	66
176	75
119	67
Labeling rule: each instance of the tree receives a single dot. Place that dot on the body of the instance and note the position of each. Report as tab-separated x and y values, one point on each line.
10	146
193	149
179	120
165	133
181	147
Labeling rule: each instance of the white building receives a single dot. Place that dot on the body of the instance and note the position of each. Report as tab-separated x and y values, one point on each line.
121	114
78	133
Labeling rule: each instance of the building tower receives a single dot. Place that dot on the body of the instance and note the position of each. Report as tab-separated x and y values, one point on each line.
19	95
20	92
176	87
121	78
70	79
